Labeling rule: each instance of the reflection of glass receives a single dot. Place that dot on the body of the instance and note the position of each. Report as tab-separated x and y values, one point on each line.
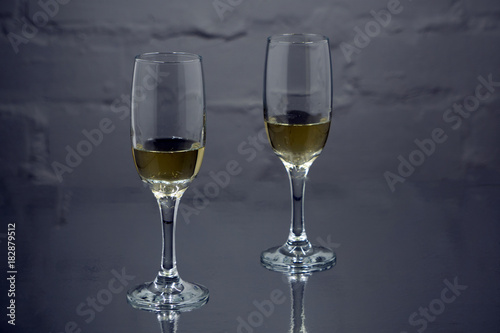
168	142
297	115
168	321
297	290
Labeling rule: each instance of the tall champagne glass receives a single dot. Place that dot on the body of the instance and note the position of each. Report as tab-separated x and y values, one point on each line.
297	115
168	142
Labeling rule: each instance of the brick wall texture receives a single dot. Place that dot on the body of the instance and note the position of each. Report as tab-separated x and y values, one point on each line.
416	88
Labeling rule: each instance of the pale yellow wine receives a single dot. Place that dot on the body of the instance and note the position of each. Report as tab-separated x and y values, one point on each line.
168	159
297	144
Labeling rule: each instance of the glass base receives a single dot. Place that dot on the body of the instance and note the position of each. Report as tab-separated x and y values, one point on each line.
298	260
178	296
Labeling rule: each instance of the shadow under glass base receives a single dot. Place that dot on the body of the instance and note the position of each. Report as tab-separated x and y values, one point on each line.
297	260
178	296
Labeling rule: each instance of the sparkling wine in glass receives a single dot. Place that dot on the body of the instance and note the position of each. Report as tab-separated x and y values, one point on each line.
297	115
168	143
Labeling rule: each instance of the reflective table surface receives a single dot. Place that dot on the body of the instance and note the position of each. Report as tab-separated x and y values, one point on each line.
424	259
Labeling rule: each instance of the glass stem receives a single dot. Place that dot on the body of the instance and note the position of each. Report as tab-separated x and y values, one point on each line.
297	239
297	289
168	275
168	321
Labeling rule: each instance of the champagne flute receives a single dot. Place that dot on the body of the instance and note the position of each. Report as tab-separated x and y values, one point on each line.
297	115
168	143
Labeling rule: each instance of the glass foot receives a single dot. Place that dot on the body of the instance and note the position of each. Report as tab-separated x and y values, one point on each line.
178	296
298	260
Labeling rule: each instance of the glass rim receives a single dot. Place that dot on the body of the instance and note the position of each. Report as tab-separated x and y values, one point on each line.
162	57
287	38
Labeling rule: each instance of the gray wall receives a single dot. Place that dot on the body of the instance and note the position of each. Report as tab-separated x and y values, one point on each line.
67	67
391	86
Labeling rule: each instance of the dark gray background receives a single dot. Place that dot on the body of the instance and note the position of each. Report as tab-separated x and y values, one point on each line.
395	247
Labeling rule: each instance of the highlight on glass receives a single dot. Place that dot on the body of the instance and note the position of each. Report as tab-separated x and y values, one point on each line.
168	143
297	116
